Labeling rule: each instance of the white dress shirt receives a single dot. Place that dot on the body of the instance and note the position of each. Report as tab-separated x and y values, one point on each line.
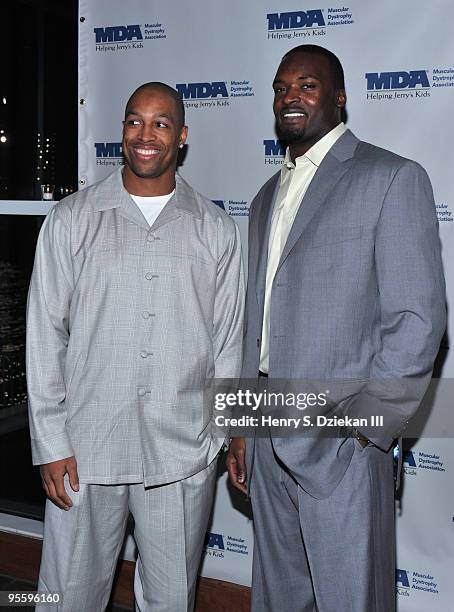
295	180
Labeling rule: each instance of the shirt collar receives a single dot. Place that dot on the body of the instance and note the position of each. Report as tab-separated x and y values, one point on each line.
110	193
316	153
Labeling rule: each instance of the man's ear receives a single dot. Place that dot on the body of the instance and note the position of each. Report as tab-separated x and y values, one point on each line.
341	98
183	136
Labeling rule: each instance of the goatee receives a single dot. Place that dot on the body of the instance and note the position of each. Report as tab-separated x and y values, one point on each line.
290	135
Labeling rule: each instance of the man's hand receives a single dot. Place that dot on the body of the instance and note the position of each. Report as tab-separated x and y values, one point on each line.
236	465
52	477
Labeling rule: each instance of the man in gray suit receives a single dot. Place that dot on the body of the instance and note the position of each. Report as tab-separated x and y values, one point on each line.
135	305
345	286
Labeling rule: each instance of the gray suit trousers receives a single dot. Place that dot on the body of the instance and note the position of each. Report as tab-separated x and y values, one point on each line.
335	554
81	546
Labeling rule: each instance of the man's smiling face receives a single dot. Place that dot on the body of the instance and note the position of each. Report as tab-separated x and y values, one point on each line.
152	133
306	103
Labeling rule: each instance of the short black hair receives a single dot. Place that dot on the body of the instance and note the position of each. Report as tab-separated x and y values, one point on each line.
170	91
334	62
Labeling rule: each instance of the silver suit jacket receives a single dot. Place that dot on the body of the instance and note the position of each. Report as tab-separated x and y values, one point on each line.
358	300
126	326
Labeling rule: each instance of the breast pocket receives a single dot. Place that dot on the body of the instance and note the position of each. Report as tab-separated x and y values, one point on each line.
334	236
178	258
332	259
182	273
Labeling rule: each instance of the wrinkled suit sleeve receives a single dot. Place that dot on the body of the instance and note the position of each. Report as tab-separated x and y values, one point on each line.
412	304
229	305
48	312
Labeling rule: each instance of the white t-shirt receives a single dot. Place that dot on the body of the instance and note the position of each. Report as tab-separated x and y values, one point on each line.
151	206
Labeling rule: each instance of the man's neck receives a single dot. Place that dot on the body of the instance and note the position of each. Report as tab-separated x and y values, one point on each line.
297	149
144	187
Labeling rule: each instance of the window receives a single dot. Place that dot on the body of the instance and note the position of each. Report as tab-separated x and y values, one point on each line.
38	146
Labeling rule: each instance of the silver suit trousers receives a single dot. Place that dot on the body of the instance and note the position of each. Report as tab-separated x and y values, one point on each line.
81	546
335	554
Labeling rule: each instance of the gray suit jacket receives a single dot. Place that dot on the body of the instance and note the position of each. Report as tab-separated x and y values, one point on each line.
126	326
358	296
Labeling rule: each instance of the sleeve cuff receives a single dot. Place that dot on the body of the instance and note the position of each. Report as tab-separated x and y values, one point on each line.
51	449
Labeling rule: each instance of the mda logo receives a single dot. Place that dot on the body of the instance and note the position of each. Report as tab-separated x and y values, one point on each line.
118	33
199	91
214	540
216	544
417	460
235	208
296	24
407	581
108	154
274	152
397	80
402	578
295	20
209	94
399	84
123	37
304	24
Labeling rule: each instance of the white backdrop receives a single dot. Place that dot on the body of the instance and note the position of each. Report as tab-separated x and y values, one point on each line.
399	64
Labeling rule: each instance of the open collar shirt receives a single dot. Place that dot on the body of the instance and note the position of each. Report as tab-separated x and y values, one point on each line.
126	326
295	180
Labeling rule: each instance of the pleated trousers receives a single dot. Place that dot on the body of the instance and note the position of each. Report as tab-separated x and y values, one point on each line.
81	546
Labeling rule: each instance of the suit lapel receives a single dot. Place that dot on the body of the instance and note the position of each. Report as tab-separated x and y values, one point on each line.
334	165
129	210
183	202
111	193
263	231
170	212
